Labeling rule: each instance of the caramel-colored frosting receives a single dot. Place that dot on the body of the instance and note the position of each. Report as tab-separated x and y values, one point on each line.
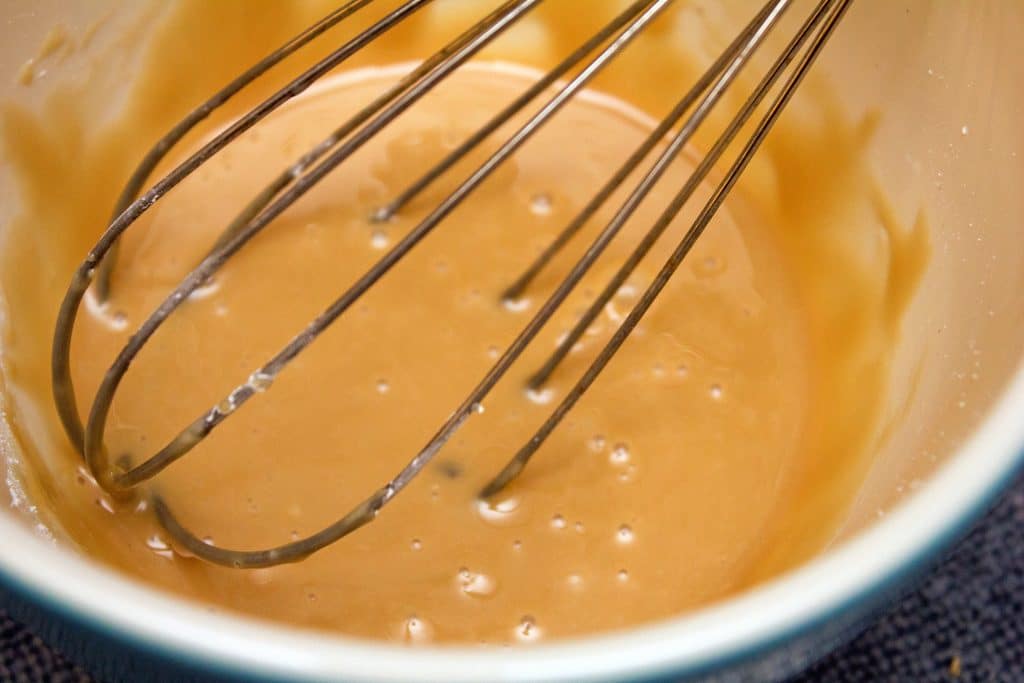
720	447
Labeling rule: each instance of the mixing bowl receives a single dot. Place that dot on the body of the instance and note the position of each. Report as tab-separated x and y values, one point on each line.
949	146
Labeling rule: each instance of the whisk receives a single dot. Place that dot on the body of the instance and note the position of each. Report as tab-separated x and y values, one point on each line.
677	128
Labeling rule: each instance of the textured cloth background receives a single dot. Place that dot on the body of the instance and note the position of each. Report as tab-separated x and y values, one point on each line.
965	622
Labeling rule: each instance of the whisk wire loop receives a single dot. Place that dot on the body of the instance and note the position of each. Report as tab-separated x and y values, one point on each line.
834	9
288	187
96	265
95	455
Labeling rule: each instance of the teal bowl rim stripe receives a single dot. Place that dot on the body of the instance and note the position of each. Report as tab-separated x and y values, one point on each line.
864	601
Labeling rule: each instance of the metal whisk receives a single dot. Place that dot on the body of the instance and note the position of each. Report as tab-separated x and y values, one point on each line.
677	128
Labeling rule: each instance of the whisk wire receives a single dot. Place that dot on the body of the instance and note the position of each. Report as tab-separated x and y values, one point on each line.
95	456
515	291
750	41
206	423
504	116
371	506
835	9
156	154
419	73
93	265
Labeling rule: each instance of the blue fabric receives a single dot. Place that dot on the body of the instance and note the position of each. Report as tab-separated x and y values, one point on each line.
970	610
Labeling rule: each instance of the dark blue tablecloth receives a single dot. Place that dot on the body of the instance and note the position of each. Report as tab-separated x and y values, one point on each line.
964	623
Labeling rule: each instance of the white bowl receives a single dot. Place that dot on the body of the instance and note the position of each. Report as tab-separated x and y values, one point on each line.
950	141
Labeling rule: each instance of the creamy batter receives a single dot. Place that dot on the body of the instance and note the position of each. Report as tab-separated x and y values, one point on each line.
712	453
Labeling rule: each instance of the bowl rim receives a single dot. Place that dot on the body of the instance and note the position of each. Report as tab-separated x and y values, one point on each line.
720	634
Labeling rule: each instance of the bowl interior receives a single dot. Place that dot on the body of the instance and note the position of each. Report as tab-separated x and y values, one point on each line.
948	147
